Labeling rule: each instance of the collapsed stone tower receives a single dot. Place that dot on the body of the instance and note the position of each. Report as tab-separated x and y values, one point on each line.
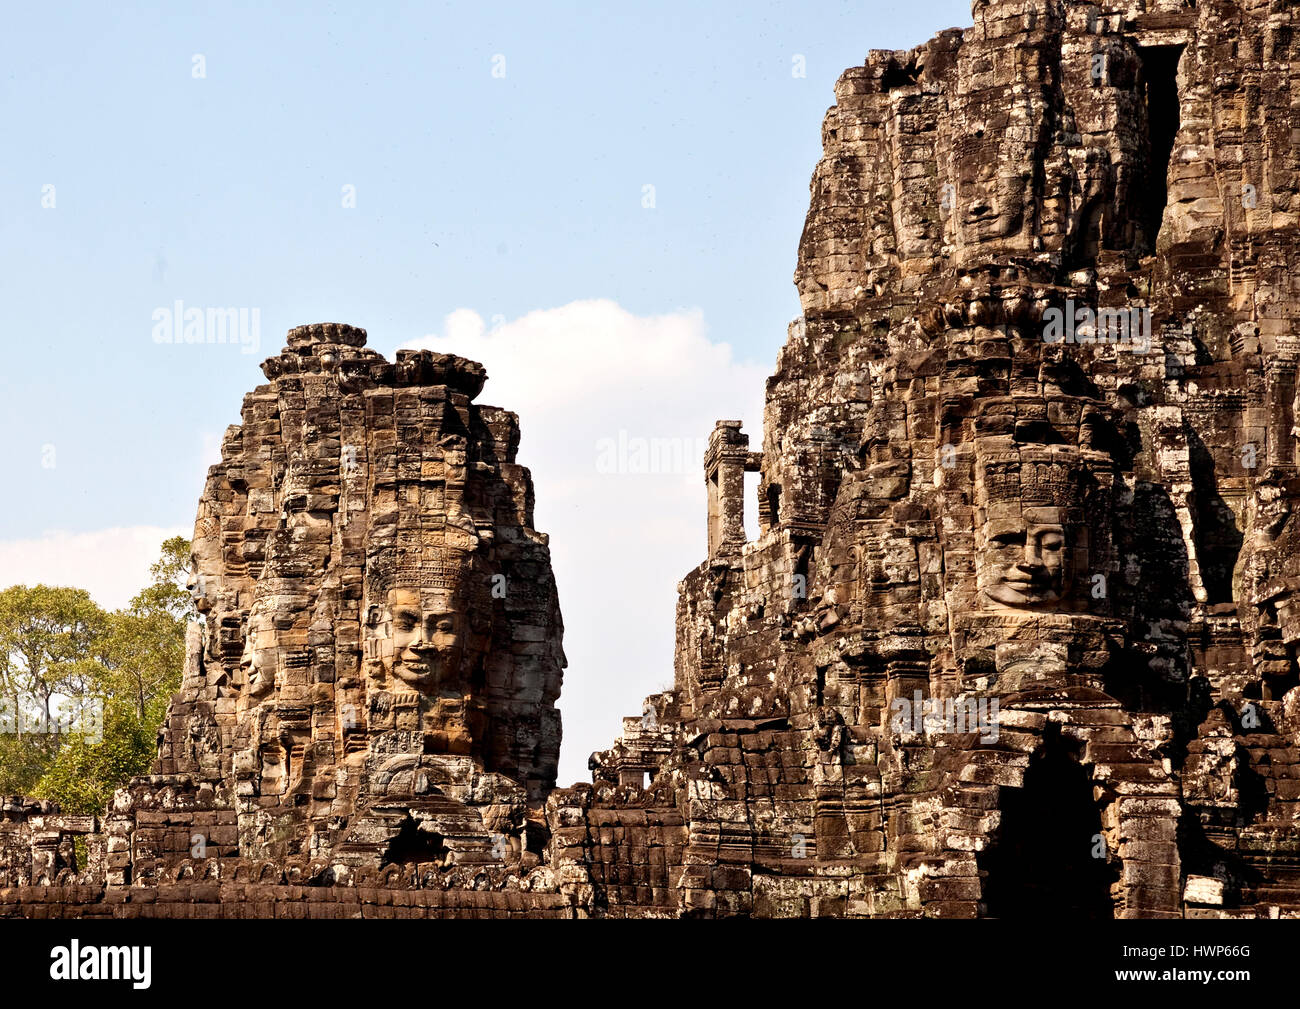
1018	631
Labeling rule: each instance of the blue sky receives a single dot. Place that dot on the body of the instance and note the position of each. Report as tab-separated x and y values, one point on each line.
496	196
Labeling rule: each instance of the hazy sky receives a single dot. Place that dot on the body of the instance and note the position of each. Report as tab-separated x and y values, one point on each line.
466	176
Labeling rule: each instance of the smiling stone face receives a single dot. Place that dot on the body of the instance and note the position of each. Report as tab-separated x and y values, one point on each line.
1026	558
428	631
417	629
1032	539
258	663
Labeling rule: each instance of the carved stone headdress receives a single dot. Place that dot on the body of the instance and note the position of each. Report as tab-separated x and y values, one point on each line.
1036	479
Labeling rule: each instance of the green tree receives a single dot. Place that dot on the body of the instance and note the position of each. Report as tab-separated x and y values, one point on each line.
61	655
143	651
23	759
47	635
47	641
139	659
84	772
167	592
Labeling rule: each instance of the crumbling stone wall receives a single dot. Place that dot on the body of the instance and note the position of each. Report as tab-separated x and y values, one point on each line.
266	900
38	844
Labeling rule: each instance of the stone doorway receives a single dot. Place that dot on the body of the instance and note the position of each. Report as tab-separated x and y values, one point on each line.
1044	863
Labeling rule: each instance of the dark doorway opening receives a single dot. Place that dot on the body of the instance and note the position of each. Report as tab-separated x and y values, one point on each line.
1160	83
411	845
899	77
1042	866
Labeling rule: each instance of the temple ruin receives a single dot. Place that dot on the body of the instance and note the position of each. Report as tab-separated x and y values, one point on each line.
1020	626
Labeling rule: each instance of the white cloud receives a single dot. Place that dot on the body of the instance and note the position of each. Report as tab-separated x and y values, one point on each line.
593	384
111	564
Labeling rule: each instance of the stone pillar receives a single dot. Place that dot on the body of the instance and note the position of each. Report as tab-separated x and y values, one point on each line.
725	463
118	826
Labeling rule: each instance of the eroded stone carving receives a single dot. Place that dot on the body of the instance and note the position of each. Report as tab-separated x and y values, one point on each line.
1030	445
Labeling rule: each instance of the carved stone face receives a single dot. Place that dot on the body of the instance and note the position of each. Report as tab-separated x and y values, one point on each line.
1288	617
1026	558
427	638
205	555
258	662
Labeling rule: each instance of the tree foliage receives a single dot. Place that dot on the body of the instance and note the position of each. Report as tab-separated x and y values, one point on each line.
83	692
84	774
48	637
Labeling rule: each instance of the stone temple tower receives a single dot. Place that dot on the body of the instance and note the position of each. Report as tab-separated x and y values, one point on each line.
380	644
1019	629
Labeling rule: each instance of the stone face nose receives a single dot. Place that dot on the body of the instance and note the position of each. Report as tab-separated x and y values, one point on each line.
302	337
